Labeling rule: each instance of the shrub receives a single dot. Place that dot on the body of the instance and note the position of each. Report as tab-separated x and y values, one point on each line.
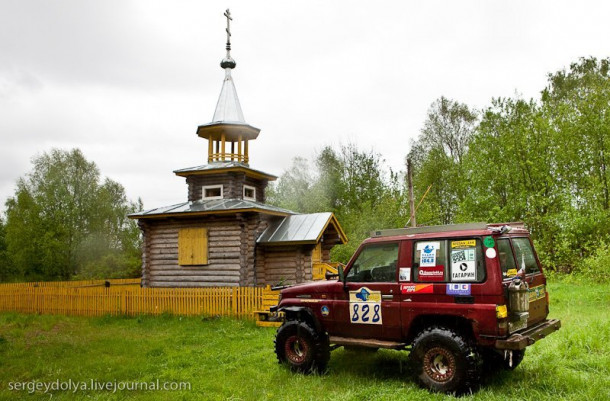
596	266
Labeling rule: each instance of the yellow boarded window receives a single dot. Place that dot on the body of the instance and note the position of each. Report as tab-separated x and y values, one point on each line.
192	246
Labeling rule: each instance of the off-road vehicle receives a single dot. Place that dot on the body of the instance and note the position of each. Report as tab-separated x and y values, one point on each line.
457	297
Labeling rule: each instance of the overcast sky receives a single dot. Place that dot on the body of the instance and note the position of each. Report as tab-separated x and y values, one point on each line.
128	82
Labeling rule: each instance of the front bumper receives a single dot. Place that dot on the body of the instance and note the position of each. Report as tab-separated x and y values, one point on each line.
528	336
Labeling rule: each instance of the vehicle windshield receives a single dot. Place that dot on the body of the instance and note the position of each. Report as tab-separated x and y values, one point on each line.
376	263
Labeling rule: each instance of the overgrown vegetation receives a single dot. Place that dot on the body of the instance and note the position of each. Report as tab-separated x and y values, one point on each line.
65	222
542	161
230	359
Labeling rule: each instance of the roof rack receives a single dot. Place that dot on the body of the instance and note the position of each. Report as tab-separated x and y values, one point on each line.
495	227
515	225
429	229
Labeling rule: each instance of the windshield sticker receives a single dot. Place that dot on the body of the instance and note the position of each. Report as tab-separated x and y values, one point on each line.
404	274
458	289
365	306
490	253
427	250
417	288
511	272
463	265
469	243
436	273
489	242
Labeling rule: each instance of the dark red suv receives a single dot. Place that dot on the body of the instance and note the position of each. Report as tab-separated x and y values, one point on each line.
456	296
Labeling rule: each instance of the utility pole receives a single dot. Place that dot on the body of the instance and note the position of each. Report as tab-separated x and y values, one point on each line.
411	200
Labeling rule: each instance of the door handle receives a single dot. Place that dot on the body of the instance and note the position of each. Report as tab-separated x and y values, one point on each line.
387	297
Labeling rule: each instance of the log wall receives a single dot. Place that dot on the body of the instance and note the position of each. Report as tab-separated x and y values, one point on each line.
231	252
284	264
234	258
161	267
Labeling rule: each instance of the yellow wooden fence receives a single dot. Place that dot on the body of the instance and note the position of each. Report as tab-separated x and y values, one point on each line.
95	299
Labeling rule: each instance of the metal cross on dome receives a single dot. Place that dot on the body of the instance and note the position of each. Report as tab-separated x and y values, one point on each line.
229	19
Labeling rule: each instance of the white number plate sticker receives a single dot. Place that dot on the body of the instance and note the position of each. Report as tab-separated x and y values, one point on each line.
365	306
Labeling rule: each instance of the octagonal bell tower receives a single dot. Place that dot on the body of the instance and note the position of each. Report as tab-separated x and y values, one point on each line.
228	133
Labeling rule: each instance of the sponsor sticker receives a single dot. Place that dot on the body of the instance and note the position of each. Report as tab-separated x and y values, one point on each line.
537	292
463	264
417	288
489	242
468	243
436	273
404	274
325	311
427	257
458	289
511	272
365	306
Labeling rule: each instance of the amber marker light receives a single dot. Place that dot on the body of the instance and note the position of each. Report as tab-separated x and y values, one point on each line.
501	311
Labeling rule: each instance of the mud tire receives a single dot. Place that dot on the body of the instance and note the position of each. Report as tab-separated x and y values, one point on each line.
298	346
445	361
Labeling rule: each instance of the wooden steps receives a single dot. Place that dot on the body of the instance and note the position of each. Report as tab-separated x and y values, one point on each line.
264	317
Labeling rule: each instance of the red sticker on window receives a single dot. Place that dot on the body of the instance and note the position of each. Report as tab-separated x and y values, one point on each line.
417	288
436	273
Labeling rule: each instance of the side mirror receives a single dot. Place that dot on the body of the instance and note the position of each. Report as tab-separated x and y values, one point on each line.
339	274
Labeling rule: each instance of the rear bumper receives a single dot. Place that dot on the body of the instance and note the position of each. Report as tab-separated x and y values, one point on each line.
528	336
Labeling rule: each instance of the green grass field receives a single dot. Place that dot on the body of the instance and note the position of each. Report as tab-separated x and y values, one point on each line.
229	359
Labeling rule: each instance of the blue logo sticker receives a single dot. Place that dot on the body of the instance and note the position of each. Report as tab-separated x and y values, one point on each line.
363	295
325	311
458	289
428	249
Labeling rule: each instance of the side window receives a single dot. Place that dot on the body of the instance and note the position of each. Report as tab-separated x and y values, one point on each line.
525	255
376	263
507	260
430	261
211	192
449	261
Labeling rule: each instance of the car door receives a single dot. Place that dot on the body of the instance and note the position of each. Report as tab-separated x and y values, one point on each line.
369	305
527	262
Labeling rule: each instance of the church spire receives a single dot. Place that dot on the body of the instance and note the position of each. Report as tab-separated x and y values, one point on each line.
228	107
228	123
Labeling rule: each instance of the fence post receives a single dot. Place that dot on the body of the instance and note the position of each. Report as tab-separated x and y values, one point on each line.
123	309
235	306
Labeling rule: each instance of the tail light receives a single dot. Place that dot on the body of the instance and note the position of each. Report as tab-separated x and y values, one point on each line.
501	311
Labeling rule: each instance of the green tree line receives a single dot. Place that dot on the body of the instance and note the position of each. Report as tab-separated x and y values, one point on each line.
541	161
65	222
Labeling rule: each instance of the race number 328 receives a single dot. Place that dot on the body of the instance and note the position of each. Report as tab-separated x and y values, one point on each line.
365	312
